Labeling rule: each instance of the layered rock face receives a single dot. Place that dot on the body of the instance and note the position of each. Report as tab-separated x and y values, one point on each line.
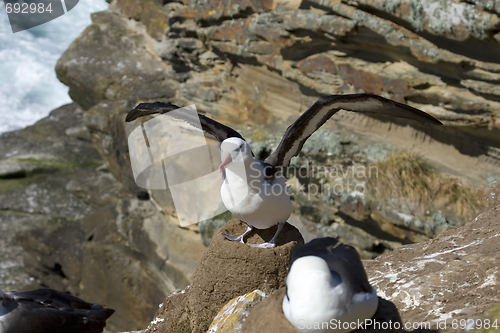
257	65
404	50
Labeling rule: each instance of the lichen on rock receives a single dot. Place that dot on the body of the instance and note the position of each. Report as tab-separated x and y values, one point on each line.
232	315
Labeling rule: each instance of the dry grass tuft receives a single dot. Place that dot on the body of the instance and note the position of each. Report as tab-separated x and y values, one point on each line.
407	181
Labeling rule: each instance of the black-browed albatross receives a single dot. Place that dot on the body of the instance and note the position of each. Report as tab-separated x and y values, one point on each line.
327	289
262	201
49	311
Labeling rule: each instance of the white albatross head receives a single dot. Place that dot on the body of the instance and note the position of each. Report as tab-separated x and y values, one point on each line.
234	150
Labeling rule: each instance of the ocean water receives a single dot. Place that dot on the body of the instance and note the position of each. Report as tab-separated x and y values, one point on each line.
29	89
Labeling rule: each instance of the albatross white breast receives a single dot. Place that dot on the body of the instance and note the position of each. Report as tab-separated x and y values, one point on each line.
246	192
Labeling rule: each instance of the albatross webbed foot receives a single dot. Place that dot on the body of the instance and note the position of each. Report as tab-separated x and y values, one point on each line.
272	243
239	238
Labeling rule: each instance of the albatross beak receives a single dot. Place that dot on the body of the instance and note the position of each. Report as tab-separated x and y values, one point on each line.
226	161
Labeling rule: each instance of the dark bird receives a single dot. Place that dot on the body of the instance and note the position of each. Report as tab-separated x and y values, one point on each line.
258	196
327	288
50	311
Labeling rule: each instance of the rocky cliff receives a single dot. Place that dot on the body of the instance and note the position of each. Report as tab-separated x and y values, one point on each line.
447	284
83	226
68	224
256	65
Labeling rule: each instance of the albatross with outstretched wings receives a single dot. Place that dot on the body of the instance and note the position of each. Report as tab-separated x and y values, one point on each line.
260	199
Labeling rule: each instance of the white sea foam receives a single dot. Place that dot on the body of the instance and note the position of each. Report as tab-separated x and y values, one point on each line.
29	89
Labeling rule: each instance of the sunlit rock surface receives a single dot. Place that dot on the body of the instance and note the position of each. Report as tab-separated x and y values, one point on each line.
452	277
70	206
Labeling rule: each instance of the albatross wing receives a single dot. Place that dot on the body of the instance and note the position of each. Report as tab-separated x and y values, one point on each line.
325	107
219	131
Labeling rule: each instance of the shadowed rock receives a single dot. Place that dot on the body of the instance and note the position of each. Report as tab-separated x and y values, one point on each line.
67	224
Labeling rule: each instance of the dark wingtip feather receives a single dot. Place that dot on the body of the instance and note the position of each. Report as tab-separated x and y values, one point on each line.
420	115
108	312
423	117
436	122
146	109
133	115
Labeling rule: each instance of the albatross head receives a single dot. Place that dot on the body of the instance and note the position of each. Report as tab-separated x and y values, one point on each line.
234	150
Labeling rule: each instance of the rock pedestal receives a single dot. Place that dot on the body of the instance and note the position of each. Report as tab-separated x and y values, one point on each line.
227	270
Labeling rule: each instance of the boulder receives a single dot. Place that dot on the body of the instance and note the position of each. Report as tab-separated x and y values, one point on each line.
125	76
449	278
68	224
